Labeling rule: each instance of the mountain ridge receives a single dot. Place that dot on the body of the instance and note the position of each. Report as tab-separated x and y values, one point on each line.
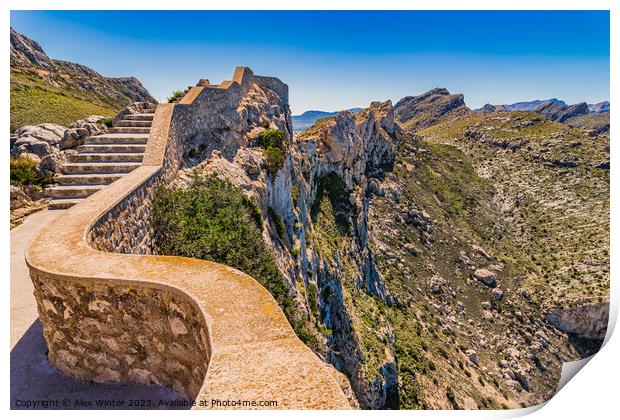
45	90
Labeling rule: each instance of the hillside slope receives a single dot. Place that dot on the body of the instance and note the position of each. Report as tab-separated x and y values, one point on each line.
552	184
44	90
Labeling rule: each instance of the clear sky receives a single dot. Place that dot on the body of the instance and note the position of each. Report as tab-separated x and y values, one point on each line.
336	60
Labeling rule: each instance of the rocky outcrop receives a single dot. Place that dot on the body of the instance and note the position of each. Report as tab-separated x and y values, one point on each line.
561	112
351	147
28	52
50	144
414	113
586	321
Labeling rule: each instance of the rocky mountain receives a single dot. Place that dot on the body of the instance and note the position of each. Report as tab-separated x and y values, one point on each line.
591	117
305	120
577	115
518	106
434	254
561	112
417	112
599	107
45	90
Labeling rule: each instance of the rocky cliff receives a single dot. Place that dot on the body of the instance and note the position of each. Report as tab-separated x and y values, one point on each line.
394	250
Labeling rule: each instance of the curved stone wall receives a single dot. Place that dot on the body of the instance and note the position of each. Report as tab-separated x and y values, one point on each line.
111	313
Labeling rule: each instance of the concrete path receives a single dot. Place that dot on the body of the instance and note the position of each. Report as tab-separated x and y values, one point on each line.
33	379
23	305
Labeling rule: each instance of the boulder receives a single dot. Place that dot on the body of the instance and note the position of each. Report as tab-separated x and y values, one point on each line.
31	146
52	163
472	356
497	293
49	133
19	198
77	132
486	277
411	249
436	283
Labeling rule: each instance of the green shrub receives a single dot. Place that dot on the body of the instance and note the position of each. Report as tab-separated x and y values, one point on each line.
274	138
212	220
106	121
257	215
272	141
295	252
176	96
277	221
312	291
24	172
295	195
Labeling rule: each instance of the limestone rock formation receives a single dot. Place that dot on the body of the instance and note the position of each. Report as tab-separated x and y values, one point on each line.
561	112
27	52
417	112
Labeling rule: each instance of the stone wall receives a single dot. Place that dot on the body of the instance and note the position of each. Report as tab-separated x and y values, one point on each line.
105	333
206	330
128	228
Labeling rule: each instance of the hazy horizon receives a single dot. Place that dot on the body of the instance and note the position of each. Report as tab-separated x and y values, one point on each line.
354	58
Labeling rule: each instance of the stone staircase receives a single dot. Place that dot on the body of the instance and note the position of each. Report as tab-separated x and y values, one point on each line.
102	159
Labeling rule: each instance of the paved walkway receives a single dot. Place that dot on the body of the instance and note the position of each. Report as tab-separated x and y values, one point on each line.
32	377
23	305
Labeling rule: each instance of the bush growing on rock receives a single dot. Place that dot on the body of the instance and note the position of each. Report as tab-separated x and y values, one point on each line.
214	220
272	141
107	122
24	172
176	96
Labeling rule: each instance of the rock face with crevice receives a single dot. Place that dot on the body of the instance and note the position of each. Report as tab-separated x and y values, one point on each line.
350	147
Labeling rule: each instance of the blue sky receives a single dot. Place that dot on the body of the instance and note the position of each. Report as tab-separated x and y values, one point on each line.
336	60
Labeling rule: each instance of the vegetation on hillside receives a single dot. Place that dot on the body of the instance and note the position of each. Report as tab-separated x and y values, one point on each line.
176	96
34	101
272	141
553	182
214	220
23	171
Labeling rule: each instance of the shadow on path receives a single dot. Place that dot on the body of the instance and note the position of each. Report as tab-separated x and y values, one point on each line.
34	379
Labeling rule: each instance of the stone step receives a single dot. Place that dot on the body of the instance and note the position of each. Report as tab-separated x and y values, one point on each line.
130	130
133	123
63	203
106	157
112	148
150	107
87	179
118	138
72	191
140	117
99	168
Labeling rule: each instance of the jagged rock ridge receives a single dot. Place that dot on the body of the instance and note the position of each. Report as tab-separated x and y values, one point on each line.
417	112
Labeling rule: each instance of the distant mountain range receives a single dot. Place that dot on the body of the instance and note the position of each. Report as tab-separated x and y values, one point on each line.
518	106
594	117
308	118
557	103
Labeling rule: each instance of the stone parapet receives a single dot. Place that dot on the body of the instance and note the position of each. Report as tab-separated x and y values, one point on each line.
112	311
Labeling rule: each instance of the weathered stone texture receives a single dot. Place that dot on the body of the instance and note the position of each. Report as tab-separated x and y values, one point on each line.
108	333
